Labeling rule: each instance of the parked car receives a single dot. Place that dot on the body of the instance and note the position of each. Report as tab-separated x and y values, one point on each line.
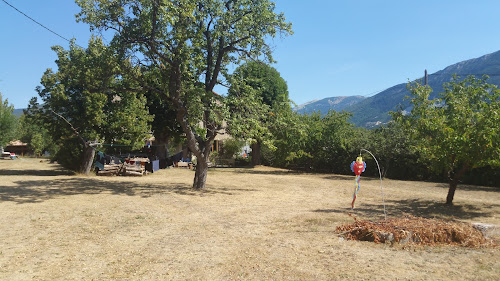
8	155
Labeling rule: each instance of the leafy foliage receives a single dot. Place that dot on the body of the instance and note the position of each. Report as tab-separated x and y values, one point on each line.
248	114
8	122
457	131
311	141
391	145
91	91
232	148
265	79
257	91
194	42
32	130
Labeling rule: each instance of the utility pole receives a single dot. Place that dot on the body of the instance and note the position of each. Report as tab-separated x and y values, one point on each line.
425	78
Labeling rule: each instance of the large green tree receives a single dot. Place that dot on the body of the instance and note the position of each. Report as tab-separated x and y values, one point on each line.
32	131
312	141
8	122
91	100
195	42
271	97
457	131
265	79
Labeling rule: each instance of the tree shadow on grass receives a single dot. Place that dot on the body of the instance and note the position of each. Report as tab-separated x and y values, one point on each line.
39	191
418	208
38	173
468	187
339	177
252	171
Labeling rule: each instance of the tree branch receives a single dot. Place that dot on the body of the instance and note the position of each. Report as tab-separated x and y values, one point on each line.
85	143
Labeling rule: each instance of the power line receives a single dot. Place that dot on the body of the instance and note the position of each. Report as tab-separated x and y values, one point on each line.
464	74
460	75
50	30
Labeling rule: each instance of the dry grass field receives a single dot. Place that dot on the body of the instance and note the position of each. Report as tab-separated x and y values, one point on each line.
249	224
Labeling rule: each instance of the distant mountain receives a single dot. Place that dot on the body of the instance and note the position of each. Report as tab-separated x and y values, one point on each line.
324	105
373	111
18	111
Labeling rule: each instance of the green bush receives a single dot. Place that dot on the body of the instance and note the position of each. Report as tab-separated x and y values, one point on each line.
231	148
69	154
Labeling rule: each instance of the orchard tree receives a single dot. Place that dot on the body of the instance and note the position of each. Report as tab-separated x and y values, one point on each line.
457	131
337	142
8	122
271	94
31	130
90	100
289	130
323	140
390	143
191	43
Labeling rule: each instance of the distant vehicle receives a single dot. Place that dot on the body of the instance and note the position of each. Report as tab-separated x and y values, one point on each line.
8	155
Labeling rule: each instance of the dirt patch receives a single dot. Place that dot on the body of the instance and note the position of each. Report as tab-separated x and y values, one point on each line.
248	224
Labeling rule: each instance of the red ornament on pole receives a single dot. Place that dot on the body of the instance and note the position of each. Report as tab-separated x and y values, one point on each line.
357	167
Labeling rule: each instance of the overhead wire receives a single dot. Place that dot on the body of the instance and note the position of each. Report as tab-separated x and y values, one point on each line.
437	74
40	24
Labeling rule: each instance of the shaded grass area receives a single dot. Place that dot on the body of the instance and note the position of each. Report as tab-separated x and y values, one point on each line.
33	191
419	208
38	173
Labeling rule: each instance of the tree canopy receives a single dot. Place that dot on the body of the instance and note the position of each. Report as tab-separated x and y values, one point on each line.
8	122
457	131
190	44
265	79
257	91
90	99
32	130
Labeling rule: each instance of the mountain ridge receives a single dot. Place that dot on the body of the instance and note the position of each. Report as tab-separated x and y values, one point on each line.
373	111
335	103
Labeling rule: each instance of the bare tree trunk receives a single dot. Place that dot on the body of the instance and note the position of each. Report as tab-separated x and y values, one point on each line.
161	151
451	193
200	176
88	150
200	148
454	183
385	168
87	160
256	159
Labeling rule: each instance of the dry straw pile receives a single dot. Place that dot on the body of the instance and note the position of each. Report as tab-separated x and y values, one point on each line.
415	230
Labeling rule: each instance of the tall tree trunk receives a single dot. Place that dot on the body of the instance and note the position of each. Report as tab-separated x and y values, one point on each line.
385	168
161	150
256	160
454	183
87	160
451	193
200	176
199	147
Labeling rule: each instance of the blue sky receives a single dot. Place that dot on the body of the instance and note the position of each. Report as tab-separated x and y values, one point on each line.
340	48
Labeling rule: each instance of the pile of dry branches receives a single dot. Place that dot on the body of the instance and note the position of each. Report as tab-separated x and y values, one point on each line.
415	230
